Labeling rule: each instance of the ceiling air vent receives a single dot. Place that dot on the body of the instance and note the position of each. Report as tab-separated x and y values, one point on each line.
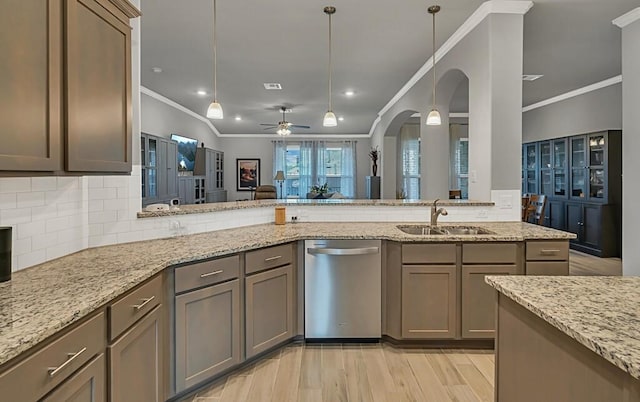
272	85
531	77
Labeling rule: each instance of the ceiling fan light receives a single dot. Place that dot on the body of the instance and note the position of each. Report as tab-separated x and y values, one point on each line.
433	119
215	111
330	119
282	131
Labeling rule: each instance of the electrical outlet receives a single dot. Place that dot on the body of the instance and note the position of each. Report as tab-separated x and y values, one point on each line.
483	213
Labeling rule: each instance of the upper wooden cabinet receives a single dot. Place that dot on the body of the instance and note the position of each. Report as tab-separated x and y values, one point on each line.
66	85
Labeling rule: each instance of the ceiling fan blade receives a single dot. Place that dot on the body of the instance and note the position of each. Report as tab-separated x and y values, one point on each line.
270	128
268	124
298	126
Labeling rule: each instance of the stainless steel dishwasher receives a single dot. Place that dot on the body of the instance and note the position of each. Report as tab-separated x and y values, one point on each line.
342	288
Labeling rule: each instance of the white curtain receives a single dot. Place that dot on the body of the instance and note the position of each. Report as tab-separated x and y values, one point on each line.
307	167
410	146
347	181
321	163
280	162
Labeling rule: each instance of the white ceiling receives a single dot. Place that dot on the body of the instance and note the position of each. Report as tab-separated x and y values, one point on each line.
377	46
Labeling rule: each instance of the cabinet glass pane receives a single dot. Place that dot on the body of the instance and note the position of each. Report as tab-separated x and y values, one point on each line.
596	183
596	150
545	182
545	155
531	185
578	182
530	156
152	152
143	152
559	183
152	183
559	154
577	153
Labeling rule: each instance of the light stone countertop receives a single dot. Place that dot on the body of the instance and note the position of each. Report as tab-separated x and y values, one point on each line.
231	205
41	300
602	313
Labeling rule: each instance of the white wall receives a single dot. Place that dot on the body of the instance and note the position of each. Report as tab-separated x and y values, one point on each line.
594	111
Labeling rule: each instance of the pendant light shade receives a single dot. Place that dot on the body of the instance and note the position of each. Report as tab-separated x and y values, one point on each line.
434	116
330	118
215	109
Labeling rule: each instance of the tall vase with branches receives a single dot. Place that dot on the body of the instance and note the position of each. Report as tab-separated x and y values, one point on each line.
374	154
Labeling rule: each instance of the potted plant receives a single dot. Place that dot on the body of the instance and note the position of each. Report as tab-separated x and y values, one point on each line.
320	189
373	154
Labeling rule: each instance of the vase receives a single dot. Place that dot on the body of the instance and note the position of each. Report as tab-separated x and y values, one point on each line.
375	169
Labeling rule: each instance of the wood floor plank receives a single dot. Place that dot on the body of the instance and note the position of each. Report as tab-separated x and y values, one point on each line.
476	381
461	393
403	377
444	368
334	380
585	264
214	390
484	363
310	395
285	388
264	376
237	388
311	368
358	387
431	387
378	373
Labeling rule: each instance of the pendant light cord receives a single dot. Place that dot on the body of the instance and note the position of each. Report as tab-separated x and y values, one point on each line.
215	56
434	60
330	63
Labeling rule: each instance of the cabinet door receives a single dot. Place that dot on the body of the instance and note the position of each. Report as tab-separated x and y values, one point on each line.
162	169
172	169
429	301
269	309
87	385
592	226
98	73
556	214
136	371
574	220
207	333
478	300
30	78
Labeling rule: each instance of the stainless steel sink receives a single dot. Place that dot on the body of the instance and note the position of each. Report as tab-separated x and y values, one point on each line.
420	230
464	230
443	230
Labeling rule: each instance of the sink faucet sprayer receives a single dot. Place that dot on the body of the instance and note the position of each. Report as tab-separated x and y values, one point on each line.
436	212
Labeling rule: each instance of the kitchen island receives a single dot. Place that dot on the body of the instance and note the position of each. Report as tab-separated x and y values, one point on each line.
567	338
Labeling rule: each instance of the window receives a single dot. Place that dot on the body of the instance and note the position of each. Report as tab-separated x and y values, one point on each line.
309	163
410	160
461	166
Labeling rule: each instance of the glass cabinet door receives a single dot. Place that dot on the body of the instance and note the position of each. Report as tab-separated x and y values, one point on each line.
531	185
559	154
152	179
545	155
546	183
530	156
578	148
560	168
596	150
596	183
578	182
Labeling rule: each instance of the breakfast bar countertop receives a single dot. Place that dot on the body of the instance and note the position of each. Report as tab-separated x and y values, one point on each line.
601	313
41	300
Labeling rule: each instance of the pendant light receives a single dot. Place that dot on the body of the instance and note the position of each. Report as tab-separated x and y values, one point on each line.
215	109
329	117
433	119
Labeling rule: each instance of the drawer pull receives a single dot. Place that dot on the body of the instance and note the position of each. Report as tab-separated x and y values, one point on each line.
549	252
272	258
144	303
211	273
70	357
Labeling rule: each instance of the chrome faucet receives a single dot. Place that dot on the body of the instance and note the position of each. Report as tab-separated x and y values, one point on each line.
436	212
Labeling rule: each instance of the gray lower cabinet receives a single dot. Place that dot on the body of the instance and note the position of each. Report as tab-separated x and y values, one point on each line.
87	385
136	370
269	308
478	300
429	301
207	333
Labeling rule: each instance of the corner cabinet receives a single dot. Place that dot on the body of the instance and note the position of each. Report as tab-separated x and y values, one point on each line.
159	161
66	61
210	163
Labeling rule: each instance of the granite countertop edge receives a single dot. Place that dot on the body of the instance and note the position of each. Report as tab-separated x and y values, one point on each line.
41	300
600	348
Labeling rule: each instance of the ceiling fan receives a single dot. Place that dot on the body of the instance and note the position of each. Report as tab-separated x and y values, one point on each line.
283	126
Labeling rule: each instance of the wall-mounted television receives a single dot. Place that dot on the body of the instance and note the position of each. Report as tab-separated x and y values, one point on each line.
186	152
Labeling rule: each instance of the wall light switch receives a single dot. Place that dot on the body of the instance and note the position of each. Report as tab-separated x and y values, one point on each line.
483	213
506	202
474	176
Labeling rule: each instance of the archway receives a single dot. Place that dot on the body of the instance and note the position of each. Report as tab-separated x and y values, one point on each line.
391	171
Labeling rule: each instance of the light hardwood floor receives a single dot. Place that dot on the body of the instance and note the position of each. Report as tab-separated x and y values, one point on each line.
359	372
374	372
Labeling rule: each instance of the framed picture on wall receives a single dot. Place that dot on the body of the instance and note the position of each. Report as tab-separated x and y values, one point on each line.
248	173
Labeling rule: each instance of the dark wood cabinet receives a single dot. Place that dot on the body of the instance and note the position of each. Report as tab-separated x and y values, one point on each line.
66	86
596	227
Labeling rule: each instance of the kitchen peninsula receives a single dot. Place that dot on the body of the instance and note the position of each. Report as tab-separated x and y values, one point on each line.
44	305
567	338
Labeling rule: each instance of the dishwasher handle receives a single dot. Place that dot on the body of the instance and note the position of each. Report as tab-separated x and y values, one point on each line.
344	251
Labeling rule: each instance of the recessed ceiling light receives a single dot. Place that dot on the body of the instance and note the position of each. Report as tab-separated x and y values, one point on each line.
156	69
272	85
341	118
201	92
238	118
531	77
349	93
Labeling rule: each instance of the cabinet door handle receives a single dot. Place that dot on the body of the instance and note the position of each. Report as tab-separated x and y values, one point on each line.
549	252
211	273
138	307
272	258
70	357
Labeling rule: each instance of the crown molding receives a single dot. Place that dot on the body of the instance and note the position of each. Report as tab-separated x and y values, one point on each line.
374	125
574	93
297	136
628	18
485	9
167	101
127	8
452	115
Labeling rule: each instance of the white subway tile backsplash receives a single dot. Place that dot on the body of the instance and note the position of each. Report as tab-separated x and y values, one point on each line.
95	181
22	246
15	184
103	194
102	217
116	181
68	182
96	205
16	215
117	204
44	183
30	229
32	258
43	241
31	199
8	201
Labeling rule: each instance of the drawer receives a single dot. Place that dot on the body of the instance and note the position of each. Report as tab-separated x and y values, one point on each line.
547	267
428	253
269	257
32	378
548	250
206	273
490	253
129	309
